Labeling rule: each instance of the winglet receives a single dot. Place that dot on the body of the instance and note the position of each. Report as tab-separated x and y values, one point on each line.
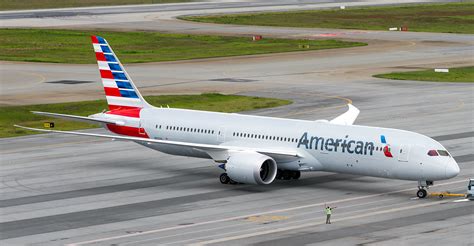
348	117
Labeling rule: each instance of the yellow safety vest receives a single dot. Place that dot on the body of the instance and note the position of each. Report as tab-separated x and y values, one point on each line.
328	211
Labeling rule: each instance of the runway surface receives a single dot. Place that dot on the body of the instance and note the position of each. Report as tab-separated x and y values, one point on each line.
59	190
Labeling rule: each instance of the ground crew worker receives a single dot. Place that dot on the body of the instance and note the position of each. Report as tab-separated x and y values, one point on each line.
328	211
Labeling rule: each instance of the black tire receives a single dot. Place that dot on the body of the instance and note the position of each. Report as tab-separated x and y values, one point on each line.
296	174
286	175
421	193
224	178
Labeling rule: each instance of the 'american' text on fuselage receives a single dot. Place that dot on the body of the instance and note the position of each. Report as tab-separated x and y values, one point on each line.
331	144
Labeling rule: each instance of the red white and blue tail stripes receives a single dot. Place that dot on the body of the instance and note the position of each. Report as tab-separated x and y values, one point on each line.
125	102
119	89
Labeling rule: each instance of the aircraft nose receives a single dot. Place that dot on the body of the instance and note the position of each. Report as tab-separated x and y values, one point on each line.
452	169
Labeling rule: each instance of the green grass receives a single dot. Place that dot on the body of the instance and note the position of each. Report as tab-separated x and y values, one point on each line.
461	74
449	18
63	46
46	4
21	115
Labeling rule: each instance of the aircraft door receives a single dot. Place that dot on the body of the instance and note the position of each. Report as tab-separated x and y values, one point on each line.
404	153
141	127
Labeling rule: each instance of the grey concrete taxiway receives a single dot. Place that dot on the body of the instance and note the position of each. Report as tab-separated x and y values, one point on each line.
63	190
74	190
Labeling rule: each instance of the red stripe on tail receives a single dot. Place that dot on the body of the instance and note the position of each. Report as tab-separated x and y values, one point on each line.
125	111
110	91
106	74
94	40
100	56
120	107
128	131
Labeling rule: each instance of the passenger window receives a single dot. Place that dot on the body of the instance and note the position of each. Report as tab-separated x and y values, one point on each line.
432	153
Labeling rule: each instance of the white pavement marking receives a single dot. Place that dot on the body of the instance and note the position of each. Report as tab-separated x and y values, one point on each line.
462	200
244	216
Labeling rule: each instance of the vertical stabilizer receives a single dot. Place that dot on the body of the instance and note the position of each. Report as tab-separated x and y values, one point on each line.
119	89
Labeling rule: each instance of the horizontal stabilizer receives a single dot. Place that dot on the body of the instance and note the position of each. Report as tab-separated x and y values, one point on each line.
79	118
348	117
204	147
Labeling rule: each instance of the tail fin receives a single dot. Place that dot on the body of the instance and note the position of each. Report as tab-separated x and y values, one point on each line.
119	89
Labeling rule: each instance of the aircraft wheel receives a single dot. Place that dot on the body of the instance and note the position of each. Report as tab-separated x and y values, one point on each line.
224	178
421	193
296	174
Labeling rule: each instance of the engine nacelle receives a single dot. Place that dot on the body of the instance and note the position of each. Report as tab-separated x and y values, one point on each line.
251	168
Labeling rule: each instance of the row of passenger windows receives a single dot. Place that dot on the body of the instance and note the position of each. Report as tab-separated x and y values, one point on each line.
187	129
237	134
265	137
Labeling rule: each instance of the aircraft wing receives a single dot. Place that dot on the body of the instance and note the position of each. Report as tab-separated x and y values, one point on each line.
79	118
205	147
348	117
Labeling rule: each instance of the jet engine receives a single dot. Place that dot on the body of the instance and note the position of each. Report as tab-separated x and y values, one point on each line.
251	168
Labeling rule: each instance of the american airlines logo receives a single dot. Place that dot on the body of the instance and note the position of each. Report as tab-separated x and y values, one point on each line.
386	150
336	145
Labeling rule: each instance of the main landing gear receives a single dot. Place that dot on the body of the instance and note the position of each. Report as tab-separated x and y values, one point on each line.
287	174
422	193
224	178
281	174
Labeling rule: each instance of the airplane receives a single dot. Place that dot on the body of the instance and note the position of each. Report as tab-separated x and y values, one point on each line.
258	150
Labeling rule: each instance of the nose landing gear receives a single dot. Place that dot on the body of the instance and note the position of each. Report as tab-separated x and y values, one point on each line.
422	193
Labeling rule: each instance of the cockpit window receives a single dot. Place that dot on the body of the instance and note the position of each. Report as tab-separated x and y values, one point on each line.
443	153
432	153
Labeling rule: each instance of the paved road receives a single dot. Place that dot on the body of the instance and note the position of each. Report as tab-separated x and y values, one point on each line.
58	190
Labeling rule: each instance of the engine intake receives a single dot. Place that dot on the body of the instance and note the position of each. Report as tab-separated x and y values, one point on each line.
251	168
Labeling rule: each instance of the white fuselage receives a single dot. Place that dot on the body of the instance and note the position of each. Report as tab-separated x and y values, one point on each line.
323	146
